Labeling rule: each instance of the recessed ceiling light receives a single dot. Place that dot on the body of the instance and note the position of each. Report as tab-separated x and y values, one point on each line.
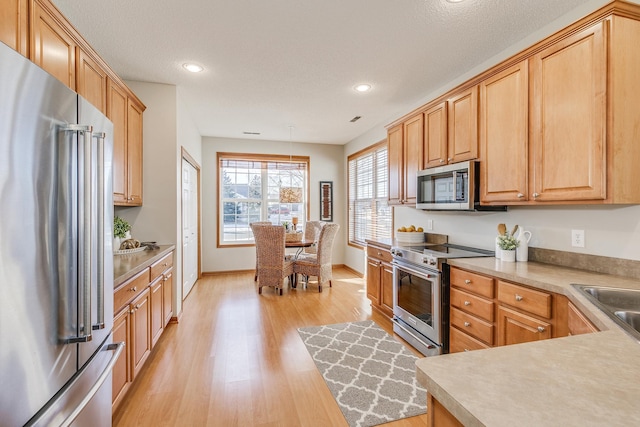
363	87
194	68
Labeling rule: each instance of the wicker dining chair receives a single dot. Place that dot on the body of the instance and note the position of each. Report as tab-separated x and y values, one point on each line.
320	266
312	232
257	223
272	265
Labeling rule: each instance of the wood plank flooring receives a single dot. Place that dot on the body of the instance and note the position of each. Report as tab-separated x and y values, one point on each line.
236	359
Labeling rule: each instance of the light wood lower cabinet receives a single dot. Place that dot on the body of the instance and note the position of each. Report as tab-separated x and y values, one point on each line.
487	312
380	279
143	307
438	416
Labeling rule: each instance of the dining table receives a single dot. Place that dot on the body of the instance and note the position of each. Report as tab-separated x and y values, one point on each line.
300	244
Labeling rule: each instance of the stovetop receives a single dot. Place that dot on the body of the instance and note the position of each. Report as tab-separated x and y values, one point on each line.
432	255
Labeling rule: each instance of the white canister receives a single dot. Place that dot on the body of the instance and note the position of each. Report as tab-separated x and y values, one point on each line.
508	256
522	251
498	250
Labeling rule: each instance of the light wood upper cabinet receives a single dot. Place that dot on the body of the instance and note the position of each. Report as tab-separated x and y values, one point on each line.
413	145
396	168
435	135
91	81
126	115
504	102
14	21
568	118
463	126
52	47
405	159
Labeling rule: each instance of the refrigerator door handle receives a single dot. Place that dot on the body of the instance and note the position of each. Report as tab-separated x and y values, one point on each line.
100	136
117	349
84	231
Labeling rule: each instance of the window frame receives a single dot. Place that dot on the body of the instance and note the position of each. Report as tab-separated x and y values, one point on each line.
364	152
251	157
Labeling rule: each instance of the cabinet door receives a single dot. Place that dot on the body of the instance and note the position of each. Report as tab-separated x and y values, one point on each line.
413	143
373	281
52	48
577	322
117	113
504	116
568	118
463	126
396	181
122	369
140	331
92	81
14	22
435	136
134	153
167	296
386	288
157	319
516	328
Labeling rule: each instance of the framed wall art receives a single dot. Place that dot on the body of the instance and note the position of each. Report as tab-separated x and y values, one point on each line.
326	201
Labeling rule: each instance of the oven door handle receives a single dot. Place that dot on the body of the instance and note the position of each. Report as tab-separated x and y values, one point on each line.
418	273
421	340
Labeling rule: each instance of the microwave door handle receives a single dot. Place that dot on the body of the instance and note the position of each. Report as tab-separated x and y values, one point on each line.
454	196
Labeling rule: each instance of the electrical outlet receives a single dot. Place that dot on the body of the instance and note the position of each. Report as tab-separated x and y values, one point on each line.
577	238
429	224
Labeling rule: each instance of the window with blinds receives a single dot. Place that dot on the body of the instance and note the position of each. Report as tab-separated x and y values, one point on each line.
370	216
250	189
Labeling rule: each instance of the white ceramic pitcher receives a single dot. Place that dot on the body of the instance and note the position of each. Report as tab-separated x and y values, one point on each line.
522	251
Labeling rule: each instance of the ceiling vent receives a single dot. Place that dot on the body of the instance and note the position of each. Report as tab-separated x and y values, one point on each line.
251	133
355	119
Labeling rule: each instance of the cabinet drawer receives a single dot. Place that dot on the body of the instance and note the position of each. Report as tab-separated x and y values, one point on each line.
379	253
525	299
130	289
160	266
472	304
459	341
472	282
472	325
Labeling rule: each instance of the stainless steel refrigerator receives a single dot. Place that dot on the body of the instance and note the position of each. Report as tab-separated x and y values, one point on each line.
56	257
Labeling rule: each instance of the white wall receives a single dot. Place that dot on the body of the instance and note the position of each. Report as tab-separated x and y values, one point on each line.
609	231
326	164
166	127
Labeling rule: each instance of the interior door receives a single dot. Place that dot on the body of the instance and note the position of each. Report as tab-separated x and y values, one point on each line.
189	227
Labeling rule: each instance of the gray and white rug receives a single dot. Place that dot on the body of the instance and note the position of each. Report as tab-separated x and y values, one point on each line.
370	374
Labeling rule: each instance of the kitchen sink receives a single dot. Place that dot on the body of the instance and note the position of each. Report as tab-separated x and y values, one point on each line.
621	305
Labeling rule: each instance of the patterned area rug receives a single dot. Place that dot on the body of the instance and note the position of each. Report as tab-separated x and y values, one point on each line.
370	374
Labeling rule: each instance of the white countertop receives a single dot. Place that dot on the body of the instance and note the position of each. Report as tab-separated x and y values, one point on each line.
584	380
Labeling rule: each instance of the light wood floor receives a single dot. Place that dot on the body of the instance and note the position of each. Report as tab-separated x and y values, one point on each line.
236	359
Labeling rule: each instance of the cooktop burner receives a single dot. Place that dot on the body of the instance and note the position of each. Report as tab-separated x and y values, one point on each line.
433	254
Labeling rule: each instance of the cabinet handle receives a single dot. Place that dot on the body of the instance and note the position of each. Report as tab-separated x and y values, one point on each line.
519	297
467	303
467	281
379	253
536	195
135	288
520	196
467	324
137	306
132	311
168	276
466	349
541	329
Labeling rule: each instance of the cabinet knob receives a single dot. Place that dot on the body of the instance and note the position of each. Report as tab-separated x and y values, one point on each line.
466	349
467	303
135	288
441	160
137	306
467	324
131	311
449	159
519	297
536	195
467	281
541	329
520	196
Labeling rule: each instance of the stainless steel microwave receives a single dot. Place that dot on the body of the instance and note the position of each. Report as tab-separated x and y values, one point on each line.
451	187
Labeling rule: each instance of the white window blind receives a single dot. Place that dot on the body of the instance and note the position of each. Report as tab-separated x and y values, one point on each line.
370	216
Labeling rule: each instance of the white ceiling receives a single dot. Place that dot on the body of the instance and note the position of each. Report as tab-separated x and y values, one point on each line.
272	64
